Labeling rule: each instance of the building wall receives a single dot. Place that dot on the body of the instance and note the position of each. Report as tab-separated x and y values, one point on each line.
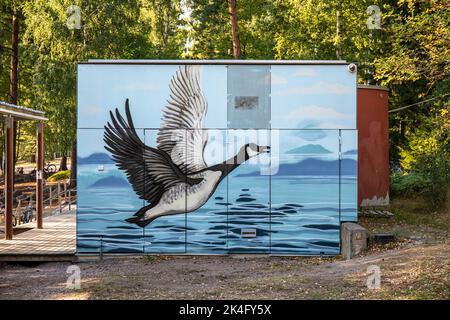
373	146
289	201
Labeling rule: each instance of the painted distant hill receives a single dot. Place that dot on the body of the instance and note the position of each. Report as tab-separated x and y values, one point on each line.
110	182
309	149
96	158
312	167
349	152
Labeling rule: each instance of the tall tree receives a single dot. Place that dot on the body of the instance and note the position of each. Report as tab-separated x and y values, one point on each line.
232	10
14	71
14	66
10	15
316	30
338	31
208	28
415	65
162	18
109	29
409	54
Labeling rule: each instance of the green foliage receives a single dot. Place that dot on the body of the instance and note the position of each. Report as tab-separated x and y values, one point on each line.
209	34
410	184
7	8
49	51
426	160
165	30
410	55
61	175
26	140
109	29
418	46
414	63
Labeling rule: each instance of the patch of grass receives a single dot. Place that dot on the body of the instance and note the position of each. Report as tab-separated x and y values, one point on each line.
150	258
61	175
416	212
412	217
424	287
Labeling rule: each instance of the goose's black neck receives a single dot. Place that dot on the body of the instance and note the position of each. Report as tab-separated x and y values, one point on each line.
229	165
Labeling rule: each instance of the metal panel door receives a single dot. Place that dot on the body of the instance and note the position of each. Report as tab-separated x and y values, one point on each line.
207	225
349	175
248	194
305	192
166	234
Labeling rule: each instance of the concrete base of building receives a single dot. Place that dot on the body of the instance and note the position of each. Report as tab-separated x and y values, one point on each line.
353	239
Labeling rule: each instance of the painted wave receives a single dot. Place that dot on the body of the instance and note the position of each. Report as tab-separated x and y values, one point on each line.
289	228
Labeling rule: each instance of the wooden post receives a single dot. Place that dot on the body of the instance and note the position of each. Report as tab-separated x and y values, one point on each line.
59	196
70	198
39	174
9	177
50	192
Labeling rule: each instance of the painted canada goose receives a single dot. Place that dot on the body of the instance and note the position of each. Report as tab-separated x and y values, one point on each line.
173	177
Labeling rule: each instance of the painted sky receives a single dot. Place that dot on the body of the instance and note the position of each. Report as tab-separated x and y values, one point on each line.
319	98
104	87
313	97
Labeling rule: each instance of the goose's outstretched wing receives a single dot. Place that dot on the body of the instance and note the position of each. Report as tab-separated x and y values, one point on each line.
149	170
181	134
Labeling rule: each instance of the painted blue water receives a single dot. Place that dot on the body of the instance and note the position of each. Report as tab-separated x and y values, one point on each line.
308	225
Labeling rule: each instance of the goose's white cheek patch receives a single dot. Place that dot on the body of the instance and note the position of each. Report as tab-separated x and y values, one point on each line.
251	152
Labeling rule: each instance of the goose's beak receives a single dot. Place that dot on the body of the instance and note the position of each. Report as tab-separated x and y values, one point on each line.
265	149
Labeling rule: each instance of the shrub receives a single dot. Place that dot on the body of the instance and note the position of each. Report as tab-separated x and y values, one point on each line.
426	161
61	175
411	184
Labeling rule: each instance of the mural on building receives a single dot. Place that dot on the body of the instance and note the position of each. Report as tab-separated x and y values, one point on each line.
167	149
173	177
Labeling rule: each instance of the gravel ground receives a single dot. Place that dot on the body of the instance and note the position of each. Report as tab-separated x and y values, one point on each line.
408	271
416	266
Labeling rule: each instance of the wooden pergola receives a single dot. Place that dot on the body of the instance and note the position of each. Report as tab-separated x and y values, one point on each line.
12	113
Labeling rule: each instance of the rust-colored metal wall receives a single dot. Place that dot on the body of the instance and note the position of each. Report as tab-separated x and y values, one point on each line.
373	146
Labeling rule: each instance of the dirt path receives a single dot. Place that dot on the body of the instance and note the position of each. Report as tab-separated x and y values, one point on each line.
409	272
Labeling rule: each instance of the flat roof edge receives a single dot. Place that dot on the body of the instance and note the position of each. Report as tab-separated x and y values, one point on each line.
372	87
218	62
21	112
